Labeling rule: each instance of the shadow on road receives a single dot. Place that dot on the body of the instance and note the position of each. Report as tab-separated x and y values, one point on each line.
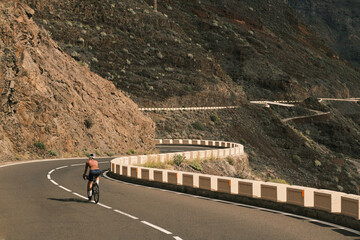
70	200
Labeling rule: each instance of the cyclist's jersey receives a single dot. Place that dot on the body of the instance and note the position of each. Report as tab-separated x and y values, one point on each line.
93	164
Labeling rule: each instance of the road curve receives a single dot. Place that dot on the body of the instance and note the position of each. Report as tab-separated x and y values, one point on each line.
33	207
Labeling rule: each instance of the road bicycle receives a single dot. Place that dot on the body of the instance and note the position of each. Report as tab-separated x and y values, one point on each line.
95	190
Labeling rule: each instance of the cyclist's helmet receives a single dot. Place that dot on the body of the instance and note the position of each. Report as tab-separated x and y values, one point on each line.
92	155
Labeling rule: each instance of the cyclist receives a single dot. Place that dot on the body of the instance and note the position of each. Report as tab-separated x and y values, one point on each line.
94	172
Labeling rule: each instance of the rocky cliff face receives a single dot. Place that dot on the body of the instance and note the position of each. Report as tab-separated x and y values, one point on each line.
198	52
337	22
51	105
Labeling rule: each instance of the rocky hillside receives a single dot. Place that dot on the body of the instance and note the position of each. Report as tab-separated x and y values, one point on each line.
198	52
337	22
218	53
51	105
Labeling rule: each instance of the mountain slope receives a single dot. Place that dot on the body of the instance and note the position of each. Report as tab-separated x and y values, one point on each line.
336	22
191	50
50	102
205	53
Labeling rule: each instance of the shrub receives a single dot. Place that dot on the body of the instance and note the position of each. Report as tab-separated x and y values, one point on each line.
188	88
215	119
155	164
88	123
130	151
53	153
196	165
230	160
40	145
178	159
278	180
198	126
296	159
69	23
110	154
317	163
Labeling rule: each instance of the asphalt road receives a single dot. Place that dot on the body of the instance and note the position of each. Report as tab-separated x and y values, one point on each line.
32	206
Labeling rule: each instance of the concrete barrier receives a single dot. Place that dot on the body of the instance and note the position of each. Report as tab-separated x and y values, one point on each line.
273	191
145	174
224	185
187	108
205	182
158	176
142	159
188	180
135	172
350	205
301	196
125	171
327	200
172	178
249	188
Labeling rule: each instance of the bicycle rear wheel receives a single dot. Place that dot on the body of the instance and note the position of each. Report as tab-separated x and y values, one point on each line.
96	192
88	192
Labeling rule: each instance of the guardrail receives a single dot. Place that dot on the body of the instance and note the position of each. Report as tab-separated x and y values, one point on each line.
319	199
187	108
282	103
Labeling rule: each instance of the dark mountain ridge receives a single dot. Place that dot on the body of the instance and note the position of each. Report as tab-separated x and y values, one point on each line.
336	22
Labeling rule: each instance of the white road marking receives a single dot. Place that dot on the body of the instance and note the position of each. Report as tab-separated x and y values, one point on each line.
178	238
74	165
54	182
79	195
103	205
125	214
156	227
108	207
61	167
205	198
68	190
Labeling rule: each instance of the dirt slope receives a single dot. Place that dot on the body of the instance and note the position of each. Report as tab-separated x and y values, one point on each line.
336	22
51	102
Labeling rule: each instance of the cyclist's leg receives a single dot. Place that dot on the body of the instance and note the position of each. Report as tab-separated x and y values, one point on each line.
91	177
97	179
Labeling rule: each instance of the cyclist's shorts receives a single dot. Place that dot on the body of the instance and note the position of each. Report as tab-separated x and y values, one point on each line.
94	174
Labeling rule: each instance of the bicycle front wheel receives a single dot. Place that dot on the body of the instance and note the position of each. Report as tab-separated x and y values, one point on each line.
96	192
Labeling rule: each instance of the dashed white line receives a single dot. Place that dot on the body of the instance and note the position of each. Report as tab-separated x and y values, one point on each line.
68	190
74	165
103	205
54	182
61	167
125	214
156	227
80	195
108	207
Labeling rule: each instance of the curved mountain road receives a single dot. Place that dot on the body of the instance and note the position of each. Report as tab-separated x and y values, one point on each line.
45	200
